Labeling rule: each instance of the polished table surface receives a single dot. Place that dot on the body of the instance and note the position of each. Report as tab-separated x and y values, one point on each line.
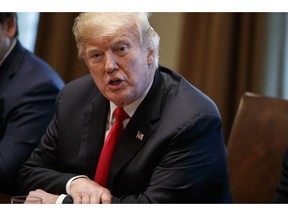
5	198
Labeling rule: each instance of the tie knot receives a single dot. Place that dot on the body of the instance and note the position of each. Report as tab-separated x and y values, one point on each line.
120	114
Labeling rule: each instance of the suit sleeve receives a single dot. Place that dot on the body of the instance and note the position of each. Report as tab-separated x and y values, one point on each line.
192	169
41	170
29	114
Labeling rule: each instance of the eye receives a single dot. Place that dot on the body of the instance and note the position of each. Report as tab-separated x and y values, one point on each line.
122	49
96	56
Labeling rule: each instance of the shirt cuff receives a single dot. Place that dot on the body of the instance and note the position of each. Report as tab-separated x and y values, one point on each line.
60	199
72	179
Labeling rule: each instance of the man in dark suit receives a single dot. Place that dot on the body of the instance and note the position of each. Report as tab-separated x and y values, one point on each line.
172	149
28	90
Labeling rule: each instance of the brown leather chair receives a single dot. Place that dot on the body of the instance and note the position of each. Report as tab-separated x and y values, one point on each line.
256	146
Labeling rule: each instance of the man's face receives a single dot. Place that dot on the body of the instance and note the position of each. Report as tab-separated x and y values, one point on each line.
120	66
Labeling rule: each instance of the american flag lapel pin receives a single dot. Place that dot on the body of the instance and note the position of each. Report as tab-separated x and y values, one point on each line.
139	135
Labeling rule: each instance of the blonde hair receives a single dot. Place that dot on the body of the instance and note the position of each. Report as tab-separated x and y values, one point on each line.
98	25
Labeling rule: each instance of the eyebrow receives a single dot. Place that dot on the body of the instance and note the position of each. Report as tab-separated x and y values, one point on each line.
122	39
92	50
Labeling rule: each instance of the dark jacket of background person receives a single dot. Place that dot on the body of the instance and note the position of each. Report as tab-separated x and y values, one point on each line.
28	89
180	159
282	188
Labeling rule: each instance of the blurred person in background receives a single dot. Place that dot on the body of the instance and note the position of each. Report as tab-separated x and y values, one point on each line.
28	90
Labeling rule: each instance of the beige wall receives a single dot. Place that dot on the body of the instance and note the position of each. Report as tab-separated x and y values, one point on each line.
169	28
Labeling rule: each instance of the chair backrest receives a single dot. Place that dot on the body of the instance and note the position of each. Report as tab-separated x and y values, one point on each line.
256	146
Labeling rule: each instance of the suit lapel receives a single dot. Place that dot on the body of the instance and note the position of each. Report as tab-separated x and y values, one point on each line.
143	121
11	64
93	133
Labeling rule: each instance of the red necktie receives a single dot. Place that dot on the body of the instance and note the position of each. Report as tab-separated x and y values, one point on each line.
109	146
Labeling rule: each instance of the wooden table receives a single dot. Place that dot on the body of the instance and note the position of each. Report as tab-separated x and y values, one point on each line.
5	198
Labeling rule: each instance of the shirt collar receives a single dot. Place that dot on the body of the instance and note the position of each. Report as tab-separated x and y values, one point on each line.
8	52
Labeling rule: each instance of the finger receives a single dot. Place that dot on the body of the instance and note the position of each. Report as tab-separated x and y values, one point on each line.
32	193
85	199
40	191
94	199
106	198
77	200
33	200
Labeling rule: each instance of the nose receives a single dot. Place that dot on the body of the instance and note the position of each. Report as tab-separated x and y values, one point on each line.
110	62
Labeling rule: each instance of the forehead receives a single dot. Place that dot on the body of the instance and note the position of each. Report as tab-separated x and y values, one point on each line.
114	39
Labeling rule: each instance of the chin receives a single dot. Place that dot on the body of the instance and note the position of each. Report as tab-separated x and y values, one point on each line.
119	100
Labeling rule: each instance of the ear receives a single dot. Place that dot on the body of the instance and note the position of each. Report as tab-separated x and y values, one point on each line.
10	26
150	56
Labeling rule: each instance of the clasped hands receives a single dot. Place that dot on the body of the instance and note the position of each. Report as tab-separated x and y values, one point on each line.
82	190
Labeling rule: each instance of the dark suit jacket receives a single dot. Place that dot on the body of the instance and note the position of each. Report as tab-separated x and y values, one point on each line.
282	188
181	158
28	90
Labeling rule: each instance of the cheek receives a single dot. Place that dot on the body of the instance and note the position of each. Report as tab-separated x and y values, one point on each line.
141	80
95	70
139	70
97	78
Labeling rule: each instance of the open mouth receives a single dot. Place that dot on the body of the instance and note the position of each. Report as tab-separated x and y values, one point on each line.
115	82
